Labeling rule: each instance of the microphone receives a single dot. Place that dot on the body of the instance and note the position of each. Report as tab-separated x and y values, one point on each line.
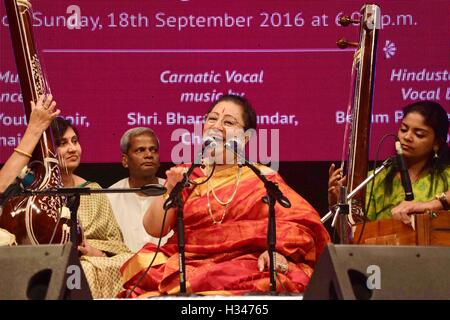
406	180
25	178
234	144
22	181
237	147
209	142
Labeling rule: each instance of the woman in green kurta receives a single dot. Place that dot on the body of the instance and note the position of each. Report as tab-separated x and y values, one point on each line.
382	202
423	137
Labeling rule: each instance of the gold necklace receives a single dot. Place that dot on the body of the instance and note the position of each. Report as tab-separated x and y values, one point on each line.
212	216
222	203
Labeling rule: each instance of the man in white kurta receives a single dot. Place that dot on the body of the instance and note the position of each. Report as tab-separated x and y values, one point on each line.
140	155
129	210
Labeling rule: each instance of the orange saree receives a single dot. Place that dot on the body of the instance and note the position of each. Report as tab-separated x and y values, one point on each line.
222	258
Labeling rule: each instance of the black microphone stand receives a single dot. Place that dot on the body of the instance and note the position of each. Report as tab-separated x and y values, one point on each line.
73	203
273	195
175	201
148	189
342	212
74	194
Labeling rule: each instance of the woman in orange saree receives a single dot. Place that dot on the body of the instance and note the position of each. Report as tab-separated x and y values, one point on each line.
226	228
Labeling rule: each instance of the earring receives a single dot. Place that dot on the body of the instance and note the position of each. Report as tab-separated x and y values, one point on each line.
436	155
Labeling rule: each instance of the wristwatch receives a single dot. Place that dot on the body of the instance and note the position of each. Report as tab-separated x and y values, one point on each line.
442	197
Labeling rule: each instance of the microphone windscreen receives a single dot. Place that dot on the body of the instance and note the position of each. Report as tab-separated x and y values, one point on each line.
209	141
28	179
398	147
234	144
153	190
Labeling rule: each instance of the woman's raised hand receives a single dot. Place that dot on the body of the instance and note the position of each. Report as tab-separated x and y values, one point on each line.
335	181
42	113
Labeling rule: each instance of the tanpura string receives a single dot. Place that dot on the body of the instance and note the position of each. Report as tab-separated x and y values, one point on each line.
346	142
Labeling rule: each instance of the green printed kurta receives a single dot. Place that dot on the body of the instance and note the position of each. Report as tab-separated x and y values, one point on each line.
382	203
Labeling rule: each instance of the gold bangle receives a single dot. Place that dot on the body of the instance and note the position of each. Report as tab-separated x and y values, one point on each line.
26	154
442	197
165	196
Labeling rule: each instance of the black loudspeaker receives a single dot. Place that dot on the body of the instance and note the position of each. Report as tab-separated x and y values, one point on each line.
50	272
366	272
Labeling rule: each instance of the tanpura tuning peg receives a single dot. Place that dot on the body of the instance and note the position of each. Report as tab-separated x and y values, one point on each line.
343	44
346	20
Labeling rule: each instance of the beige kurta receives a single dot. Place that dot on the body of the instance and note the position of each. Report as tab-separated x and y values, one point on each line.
101	231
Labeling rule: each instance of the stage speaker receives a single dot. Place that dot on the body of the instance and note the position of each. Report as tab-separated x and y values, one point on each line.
373	272
42	272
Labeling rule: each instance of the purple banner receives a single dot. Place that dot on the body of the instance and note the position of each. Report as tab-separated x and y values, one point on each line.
114	64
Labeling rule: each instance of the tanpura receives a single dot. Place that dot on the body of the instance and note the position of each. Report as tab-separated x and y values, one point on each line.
355	153
36	219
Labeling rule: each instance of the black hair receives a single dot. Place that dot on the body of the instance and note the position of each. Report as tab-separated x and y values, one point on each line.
435	117
59	127
248	112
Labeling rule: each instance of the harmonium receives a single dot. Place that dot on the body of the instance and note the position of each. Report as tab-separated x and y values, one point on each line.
431	228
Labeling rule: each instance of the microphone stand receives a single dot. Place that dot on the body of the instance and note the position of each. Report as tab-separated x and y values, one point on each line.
175	201
74	194
73	202
387	163
273	195
148	189
343	209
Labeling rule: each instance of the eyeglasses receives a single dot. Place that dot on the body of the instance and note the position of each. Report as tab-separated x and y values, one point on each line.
227	120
